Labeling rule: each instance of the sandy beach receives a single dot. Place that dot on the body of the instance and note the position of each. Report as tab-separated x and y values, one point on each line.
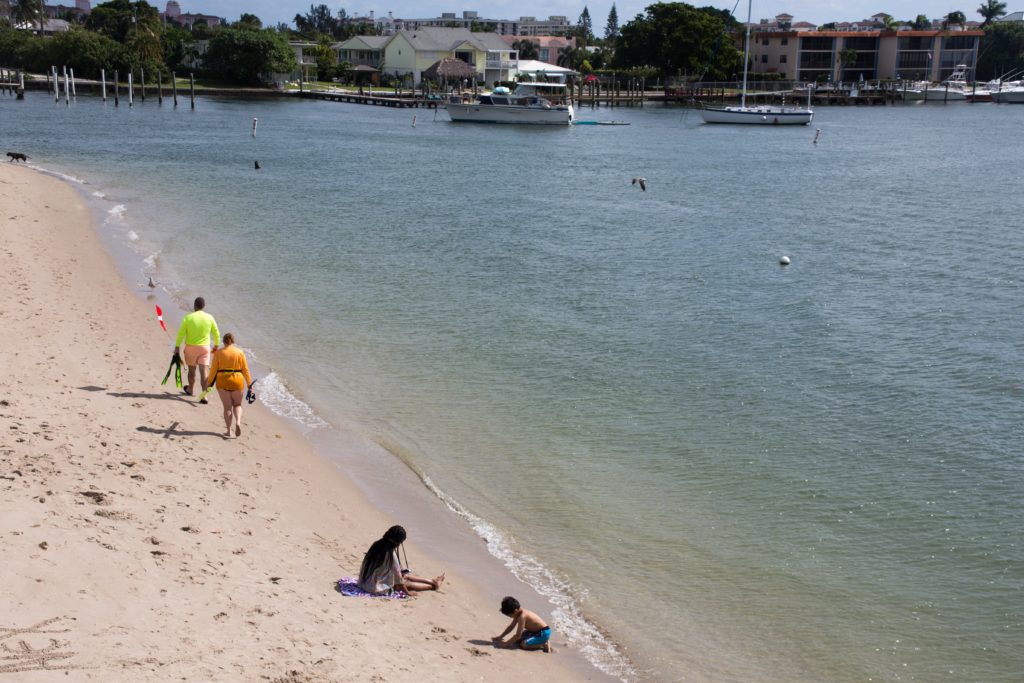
139	544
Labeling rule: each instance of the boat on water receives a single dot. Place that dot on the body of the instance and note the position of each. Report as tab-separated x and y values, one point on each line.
765	115
531	102
953	89
1013	94
1006	91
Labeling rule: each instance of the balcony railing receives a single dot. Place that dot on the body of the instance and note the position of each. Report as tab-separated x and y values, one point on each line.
501	64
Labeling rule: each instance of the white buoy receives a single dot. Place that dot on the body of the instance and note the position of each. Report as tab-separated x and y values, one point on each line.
255	121
784	261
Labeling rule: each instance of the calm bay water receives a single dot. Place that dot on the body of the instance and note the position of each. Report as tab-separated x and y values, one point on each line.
734	471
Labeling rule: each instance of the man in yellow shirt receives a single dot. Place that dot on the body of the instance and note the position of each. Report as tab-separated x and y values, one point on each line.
198	330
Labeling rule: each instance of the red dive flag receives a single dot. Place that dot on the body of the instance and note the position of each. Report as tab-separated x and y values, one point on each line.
160	317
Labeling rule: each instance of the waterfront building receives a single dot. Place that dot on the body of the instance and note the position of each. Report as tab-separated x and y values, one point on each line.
305	57
523	26
362	50
877	53
411	52
548	47
364	54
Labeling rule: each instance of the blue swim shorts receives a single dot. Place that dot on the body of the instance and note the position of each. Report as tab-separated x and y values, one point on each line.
535	638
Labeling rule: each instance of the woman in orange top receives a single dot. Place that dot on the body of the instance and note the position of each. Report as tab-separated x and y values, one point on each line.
228	371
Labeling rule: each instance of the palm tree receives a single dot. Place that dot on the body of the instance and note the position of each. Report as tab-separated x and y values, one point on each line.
847	58
955	19
991	9
29	12
569	57
890	24
527	49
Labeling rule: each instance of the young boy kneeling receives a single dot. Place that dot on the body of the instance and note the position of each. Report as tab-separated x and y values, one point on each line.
532	632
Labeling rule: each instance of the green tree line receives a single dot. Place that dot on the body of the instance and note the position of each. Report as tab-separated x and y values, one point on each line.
669	39
127	36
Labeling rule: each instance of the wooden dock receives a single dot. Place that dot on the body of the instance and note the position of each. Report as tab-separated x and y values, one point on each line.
400	100
868	95
12	82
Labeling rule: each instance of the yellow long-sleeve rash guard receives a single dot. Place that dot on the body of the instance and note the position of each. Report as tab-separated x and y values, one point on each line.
197	328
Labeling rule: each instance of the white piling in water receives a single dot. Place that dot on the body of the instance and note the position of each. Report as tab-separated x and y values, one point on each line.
67	87
103	83
255	121
131	90
74	92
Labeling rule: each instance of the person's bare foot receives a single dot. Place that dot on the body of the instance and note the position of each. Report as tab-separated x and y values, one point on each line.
549	648
227	434
438	581
238	430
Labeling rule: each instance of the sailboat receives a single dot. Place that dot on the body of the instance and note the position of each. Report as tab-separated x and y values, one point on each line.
761	114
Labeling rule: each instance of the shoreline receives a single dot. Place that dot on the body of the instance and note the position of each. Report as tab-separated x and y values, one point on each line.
106	381
480	550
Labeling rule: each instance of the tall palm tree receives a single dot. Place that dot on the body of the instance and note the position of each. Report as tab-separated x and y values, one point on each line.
569	57
957	18
32	12
527	49
991	9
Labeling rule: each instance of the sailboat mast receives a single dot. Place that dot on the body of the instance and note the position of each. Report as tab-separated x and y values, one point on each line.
746	56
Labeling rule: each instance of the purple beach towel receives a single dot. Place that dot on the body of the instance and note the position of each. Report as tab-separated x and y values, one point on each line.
349	586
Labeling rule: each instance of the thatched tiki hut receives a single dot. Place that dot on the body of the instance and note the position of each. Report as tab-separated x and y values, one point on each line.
450	69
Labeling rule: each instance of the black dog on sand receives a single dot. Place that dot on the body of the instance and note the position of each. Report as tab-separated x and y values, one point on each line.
16	156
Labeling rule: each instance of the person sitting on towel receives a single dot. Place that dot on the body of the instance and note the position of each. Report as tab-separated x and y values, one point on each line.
382	573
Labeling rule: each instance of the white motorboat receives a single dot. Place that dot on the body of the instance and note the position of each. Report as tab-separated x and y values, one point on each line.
767	115
1013	94
953	89
532	102
1007	92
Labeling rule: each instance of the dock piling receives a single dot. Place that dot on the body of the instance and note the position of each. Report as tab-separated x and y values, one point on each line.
131	90
192	88
103	83
174	88
117	100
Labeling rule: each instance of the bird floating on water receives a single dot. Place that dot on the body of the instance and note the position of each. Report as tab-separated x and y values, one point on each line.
642	182
258	167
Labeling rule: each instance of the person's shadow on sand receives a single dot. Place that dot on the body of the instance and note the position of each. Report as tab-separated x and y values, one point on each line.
174	431
165	396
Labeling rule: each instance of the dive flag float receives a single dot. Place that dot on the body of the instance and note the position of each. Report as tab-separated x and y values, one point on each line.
160	317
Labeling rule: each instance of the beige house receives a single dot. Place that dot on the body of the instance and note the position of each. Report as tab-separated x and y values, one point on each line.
410	53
